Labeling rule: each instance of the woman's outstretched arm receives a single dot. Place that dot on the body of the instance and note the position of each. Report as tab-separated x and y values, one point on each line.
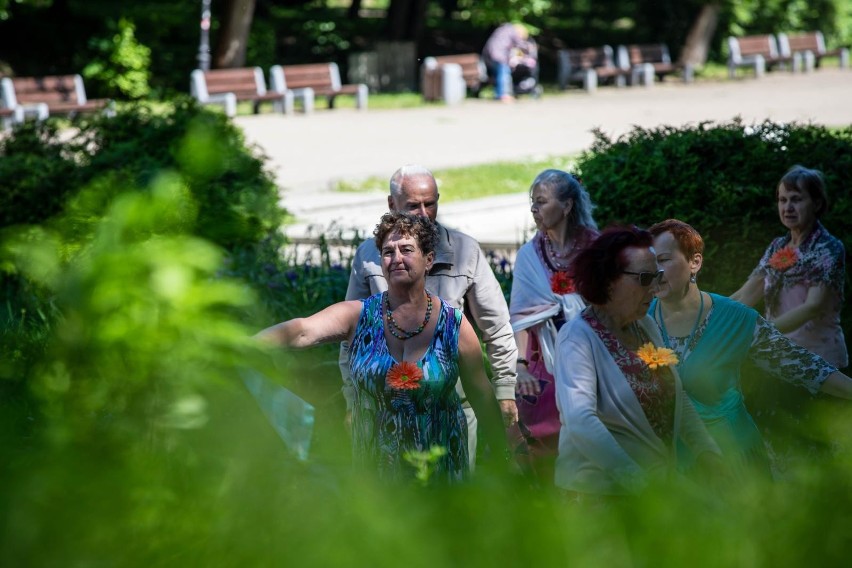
335	323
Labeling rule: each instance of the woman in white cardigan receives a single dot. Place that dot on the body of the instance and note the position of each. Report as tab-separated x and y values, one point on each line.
625	417
543	299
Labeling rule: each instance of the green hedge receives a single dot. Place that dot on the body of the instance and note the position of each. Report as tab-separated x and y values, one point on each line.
237	199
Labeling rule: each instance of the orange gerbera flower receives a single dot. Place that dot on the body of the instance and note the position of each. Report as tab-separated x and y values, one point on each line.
404	376
783	258
561	283
656	356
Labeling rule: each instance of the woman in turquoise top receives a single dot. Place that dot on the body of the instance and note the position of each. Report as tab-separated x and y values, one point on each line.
713	335
405	361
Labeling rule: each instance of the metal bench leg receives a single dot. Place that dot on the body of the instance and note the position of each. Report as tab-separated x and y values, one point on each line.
361	97
759	66
809	60
453	88
798	63
590	81
642	75
285	104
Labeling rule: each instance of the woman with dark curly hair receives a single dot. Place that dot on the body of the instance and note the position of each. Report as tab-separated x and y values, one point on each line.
407	349
624	412
801	275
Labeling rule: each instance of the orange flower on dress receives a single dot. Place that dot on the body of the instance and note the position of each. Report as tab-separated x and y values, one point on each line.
404	376
783	258
656	356
561	283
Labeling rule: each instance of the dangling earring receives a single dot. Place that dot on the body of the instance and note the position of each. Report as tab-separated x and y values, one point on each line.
692	278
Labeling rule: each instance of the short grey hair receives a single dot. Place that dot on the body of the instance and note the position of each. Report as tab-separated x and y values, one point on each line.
408	170
566	186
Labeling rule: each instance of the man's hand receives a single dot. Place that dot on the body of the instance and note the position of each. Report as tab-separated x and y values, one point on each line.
527	384
509	410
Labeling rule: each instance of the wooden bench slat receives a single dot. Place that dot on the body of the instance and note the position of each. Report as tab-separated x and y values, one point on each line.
58	92
321	77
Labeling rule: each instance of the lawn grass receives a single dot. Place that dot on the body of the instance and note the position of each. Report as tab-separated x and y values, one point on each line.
472	182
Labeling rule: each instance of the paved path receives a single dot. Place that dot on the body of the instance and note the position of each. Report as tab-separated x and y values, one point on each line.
308	154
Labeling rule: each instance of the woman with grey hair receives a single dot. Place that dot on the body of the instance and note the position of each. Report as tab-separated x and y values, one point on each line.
543	299
801	275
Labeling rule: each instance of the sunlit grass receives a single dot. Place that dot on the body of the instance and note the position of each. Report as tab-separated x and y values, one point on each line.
472	182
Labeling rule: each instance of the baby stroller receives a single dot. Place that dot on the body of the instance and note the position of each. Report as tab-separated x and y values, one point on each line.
524	64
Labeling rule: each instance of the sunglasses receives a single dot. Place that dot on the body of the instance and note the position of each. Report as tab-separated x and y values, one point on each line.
646	278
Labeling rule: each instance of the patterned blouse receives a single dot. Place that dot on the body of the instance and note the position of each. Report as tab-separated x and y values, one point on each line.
772	352
788	275
654	389
820	259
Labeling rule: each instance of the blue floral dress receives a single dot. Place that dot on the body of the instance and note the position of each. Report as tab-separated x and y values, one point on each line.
388	423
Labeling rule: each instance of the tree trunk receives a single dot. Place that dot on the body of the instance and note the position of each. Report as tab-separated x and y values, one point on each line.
354	8
405	20
697	44
233	35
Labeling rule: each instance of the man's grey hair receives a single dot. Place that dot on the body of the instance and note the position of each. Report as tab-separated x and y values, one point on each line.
408	170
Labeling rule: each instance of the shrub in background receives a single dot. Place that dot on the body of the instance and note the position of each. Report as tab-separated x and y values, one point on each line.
121	66
236	196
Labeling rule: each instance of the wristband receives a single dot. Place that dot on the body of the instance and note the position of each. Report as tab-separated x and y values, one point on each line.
522	361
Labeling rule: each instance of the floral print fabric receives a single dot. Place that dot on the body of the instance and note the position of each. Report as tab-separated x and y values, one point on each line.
389	422
819	261
655	390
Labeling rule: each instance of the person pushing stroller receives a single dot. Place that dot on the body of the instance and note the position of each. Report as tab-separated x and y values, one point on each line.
511	58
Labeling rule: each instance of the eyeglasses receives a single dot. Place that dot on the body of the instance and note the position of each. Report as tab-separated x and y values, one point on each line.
646	278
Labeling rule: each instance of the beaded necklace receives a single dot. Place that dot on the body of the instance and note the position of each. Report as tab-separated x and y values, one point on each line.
397	331
556	256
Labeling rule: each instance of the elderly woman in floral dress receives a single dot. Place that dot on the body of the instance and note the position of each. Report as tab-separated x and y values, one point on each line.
543	299
801	275
625	415
407	349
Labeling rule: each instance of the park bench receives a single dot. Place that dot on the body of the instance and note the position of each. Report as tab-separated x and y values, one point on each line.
650	60
226	87
316	79
56	94
812	47
451	77
759	52
589	66
10	116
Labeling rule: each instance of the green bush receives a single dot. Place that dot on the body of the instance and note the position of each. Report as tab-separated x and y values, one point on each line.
121	67
236	196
